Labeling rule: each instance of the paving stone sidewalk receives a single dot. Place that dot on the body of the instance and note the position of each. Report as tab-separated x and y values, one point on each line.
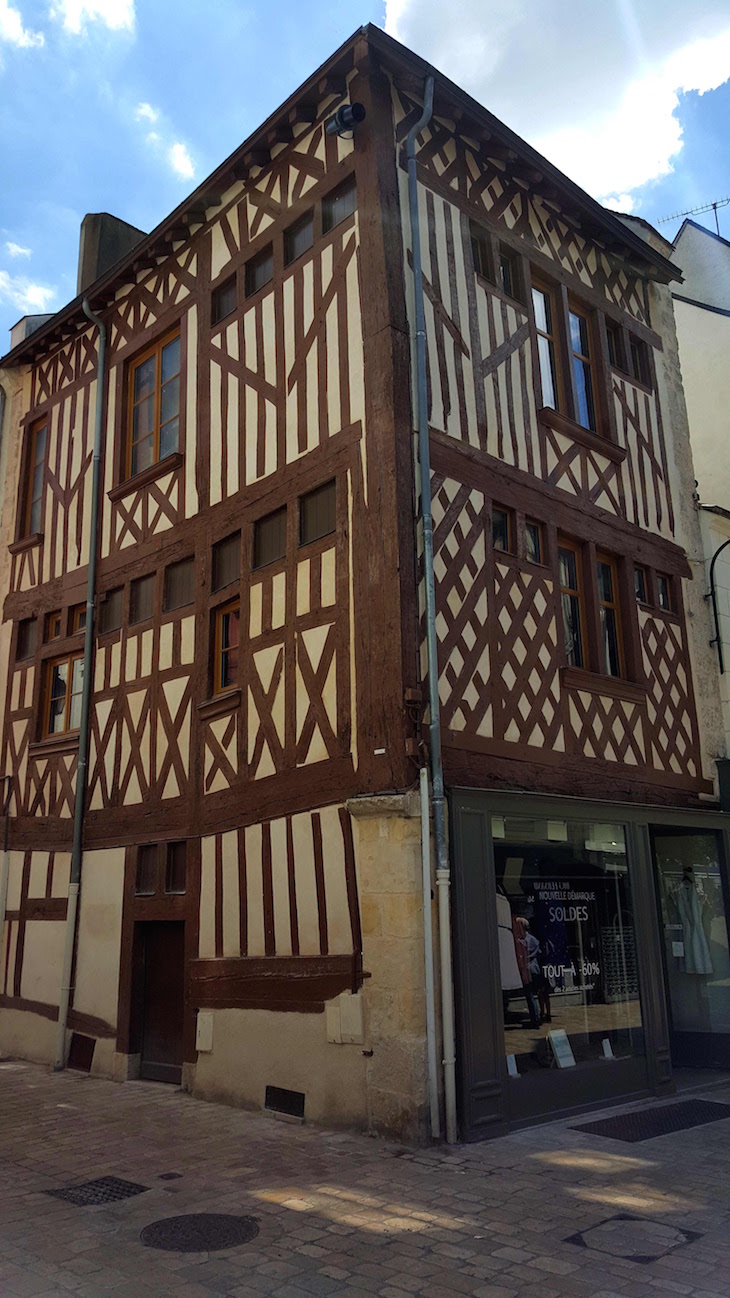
544	1213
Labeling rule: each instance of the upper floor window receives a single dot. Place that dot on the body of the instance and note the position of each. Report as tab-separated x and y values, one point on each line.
26	639
502	529
609	617
65	683
176	867
338	205
318	513
480	251
77	619
508	272
640	361
224	300
615	341
154	405
571	598
53	626
640	585
584	385
179	588
259	271
226	561
227	640
110	612
543	304
299	238
142	599
269	538
664	592
35	474
534	542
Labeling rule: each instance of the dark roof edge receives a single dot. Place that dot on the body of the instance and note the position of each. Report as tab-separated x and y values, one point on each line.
703	306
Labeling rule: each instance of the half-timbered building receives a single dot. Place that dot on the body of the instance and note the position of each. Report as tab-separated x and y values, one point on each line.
251	916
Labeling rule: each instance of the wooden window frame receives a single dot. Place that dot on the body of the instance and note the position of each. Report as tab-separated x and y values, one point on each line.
49	665
103	601
610	561
177	563
256	564
535	522
230	606
306	218
503	250
136	582
552	293
301	542
52	620
566	543
640	362
215	319
345	186
511	529
75	615
591	359
154	349
32	624
28	500
639	567
481	249
264	254
670	607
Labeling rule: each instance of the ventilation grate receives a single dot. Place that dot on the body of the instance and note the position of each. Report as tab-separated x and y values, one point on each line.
107	1189
280	1100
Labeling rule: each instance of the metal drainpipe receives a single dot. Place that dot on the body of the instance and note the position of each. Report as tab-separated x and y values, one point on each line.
715	614
5	868
437	774
82	768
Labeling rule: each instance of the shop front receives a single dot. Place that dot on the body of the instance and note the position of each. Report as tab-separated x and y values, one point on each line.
591	953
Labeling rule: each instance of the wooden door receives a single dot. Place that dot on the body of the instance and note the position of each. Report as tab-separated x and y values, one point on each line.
163	1001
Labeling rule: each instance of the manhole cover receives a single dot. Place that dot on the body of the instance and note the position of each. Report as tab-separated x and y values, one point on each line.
635	1239
107	1189
199	1232
645	1124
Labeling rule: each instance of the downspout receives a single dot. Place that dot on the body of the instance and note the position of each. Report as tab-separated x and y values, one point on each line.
82	768
5	868
433	1089
437	774
715	613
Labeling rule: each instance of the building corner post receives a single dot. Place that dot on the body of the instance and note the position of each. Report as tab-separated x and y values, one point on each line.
88	660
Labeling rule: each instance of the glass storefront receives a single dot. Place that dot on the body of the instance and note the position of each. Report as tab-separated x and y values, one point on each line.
567	944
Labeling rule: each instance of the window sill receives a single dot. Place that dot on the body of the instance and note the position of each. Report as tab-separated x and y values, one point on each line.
562	424
577	678
143	479
64	743
26	543
220	704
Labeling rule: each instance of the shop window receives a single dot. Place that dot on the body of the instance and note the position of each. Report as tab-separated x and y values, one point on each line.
34	479
480	251
503	529
64	684
269	538
110	612
568	963
154	405
608	611
664	592
226	638
534	541
571	598
259	271
640	361
53	626
338	205
78	618
142	600
227	561
224	300
640	585
26	639
299	238
318	513
175	868
145	883
179	585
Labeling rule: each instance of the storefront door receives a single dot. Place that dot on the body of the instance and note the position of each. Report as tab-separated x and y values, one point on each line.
692	891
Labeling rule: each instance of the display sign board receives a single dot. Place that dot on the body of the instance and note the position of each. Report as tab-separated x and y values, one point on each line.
562	1051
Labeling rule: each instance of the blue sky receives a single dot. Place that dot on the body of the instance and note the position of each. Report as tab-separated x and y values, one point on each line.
126	105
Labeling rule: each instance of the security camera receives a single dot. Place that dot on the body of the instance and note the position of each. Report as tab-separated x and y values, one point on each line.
345	119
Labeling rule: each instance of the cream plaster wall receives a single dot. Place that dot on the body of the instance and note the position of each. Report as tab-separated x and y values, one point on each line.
27	1036
100	933
704	353
715	531
43	961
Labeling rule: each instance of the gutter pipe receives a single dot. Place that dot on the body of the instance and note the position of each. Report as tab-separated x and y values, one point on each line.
713	596
433	1089
5	867
437	774
82	769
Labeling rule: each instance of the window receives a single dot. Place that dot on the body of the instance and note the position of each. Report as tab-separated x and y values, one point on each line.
299	238
63	695
110	613
154	405
35	474
543	306
534	548
480	251
610	648
502	529
26	639
508	272
615	345
227	561
224	300
338	205
269	538
175	868
571	598
640	586
259	271
179	588
580	343
145	883
53	626
640	361
318	513
664	592
77	619
142	600
227	621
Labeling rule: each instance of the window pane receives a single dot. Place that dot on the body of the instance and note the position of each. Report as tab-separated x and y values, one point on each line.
169	438
269	538
568	569
34	524
640	584
318	513
259	271
26	638
500	529
170	400
480	252
141	599
146	881
546	354
506	275
40	444
226	561
571	630
533	542
579	333
77	686
171	359
605	582
664	591
143	454
229	647
144	378
543	315
298	238
339	205
225	300
37	484
110	618
175	871
179	585
584	391
59	682
143	419
609	639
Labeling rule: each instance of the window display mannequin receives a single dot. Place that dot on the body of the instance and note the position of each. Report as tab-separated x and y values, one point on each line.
689	904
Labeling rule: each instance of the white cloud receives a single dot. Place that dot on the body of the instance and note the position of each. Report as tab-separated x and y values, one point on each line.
117	15
15	249
595	86
180	160
24	295
12	30
146	113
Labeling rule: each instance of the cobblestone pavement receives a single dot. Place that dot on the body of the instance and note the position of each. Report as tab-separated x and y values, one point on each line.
342	1214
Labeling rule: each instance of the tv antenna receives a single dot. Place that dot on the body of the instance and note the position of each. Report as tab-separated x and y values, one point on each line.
695	211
